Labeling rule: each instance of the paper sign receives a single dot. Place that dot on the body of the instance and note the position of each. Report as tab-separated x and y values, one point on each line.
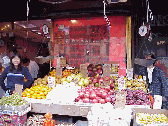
106	70
51	81
59	71
130	73
121	83
62	62
18	89
120	99
83	69
157	102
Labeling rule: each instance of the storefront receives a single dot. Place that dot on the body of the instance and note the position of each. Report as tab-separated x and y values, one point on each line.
90	40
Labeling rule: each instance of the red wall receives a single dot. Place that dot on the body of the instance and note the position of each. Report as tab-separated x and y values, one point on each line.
31	49
117	36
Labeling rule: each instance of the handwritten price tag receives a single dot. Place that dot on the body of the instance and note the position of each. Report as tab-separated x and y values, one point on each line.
120	99
18	88
59	71
83	69
62	62
130	73
51	81
106	70
121	84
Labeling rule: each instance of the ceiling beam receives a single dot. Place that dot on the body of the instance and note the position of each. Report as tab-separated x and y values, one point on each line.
22	29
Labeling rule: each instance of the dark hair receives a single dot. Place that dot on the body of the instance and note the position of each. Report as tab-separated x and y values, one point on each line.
153	57
26	60
13	50
12	67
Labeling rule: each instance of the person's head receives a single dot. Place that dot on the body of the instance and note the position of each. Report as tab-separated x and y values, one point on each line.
11	51
151	56
26	61
15	61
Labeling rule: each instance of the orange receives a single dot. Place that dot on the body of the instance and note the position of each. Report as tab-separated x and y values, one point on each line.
43	97
38	95
45	93
41	94
29	96
24	94
31	92
33	96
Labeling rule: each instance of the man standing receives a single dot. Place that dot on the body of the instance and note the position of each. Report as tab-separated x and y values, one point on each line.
156	80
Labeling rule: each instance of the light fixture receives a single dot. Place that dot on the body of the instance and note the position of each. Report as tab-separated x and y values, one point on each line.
8	25
39	33
73	21
14	22
5	26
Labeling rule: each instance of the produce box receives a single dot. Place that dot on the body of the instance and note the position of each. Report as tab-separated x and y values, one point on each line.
17	112
12	120
149	111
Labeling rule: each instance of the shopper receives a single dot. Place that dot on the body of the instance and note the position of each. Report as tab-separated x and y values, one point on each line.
32	67
15	74
26	62
156	80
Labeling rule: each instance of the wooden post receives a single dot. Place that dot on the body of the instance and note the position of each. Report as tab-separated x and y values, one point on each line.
128	41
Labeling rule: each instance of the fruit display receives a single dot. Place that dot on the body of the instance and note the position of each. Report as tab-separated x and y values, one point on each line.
103	95
137	97
52	73
95	95
114	68
154	119
13	100
97	80
37	92
93	70
78	79
41	81
133	84
66	72
36	120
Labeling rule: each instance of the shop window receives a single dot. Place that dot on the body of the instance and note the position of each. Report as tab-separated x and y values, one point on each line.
83	44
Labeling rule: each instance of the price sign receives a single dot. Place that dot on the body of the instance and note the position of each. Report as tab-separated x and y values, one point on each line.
62	62
120	99
121	83
130	73
18	88
157	102
83	69
106	70
51	81
59	71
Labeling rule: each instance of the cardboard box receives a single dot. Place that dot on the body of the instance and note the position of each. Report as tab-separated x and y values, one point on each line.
149	111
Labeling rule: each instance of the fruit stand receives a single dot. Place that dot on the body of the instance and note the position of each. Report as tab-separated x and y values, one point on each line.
68	92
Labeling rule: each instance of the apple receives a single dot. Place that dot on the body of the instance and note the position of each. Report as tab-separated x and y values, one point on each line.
102	101
95	101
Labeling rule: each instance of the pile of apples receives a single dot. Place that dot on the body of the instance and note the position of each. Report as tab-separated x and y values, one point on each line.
93	70
97	80
92	94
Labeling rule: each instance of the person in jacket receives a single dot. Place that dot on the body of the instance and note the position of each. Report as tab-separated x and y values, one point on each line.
156	80
15	74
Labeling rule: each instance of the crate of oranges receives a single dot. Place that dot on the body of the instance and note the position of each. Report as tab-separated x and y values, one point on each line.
36	92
